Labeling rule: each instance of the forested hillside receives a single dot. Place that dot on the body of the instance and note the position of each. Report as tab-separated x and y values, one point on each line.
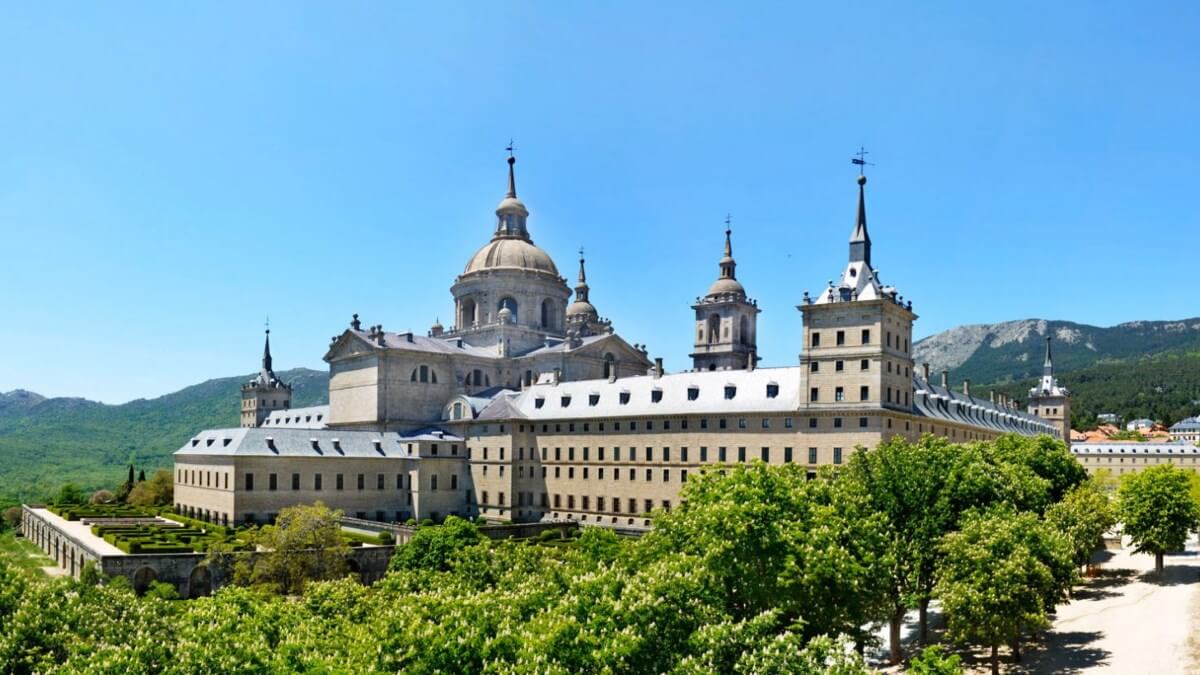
1165	388
1014	350
46	442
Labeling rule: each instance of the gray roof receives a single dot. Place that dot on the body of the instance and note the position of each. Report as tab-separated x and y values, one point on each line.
441	345
262	442
1134	448
1188	424
937	402
298	418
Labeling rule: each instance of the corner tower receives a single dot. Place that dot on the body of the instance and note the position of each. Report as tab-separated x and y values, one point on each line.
1050	401
857	335
265	392
726	321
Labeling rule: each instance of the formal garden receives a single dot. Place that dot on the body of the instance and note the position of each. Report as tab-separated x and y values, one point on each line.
94	511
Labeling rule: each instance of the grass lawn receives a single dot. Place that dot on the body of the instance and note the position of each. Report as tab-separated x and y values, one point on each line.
23	554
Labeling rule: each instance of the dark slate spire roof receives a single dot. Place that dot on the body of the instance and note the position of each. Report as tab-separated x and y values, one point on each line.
860	241
1048	366
266	362
266	375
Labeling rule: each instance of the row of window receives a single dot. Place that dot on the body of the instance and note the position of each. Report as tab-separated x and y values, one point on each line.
318	482
839	339
656	396
721	455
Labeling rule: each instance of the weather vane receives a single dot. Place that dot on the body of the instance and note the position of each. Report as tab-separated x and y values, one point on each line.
510	147
861	160
727	221
268	323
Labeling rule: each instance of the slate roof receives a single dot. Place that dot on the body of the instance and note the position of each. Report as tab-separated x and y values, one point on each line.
1134	448
263	442
937	402
1188	424
298	418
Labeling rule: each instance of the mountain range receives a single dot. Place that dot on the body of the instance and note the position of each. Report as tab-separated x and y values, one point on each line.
1137	369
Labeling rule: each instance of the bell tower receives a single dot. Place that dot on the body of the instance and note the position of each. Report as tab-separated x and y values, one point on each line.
726	321
265	392
1050	401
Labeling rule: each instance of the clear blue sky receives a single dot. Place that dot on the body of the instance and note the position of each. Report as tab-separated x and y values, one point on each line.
171	173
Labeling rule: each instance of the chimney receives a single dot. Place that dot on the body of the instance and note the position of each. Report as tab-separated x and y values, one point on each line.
752	361
658	367
966	387
992	396
946	379
925	368
557	375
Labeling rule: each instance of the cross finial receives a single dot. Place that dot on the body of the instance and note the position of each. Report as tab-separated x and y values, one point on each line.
861	160
581	253
510	147
268	324
728	219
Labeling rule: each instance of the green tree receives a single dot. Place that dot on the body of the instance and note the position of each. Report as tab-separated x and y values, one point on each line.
433	546
777	541
1157	510
903	482
158	491
12	517
934	660
304	544
70	494
1084	515
1001	574
1047	457
101	497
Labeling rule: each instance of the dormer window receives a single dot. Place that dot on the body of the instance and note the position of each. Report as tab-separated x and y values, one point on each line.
566	401
195	442
655	395
623	398
693	393
593	399
772	390
730	391
539	402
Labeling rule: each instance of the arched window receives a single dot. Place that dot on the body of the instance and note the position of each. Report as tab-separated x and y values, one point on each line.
511	305
547	314
423	374
468	313
744	330
608	365
714	328
458	410
477	377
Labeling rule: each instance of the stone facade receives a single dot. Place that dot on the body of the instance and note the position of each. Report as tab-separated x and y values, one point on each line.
552	416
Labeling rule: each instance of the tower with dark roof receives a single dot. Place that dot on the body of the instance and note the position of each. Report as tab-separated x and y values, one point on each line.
726	320
264	392
1050	401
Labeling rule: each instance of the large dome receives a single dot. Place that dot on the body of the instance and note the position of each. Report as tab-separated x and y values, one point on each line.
511	253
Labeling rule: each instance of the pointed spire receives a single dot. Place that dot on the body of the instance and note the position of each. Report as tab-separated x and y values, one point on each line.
512	180
266	362
581	288
728	265
1048	366
860	241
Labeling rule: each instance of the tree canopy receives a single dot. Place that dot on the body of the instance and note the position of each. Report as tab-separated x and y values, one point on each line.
1157	510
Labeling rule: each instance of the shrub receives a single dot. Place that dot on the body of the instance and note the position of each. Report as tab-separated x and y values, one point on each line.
935	661
162	591
101	497
90	574
12	516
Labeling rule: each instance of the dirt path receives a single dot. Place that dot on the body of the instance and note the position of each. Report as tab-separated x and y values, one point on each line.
1128	620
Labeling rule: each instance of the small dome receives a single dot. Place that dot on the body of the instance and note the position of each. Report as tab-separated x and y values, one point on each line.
724	286
511	205
505	315
580	308
511	253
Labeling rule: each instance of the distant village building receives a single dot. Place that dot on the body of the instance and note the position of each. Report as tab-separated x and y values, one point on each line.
1121	457
1141	424
530	408
1186	430
1108	418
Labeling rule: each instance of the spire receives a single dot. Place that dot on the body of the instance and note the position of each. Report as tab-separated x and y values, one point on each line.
266	364
511	213
1048	366
581	289
860	241
512	180
728	265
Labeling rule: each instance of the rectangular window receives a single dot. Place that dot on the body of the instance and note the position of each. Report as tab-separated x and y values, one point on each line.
433	483
600	473
839	394
787	455
766	454
787	423
649	475
295	481
249	482
649	454
864	393
399	481
866	336
722	423
841	337
340	481
683	476
816	339
812	394
741	422
632	505
766	423
703	453
741	454
837	423
272	482
812	423
666	455
683	454
362	481
862	422
865	364
600	454
379	481
839	365
316	481
812	455
666	475
648	505
814	367
837	455
703	422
